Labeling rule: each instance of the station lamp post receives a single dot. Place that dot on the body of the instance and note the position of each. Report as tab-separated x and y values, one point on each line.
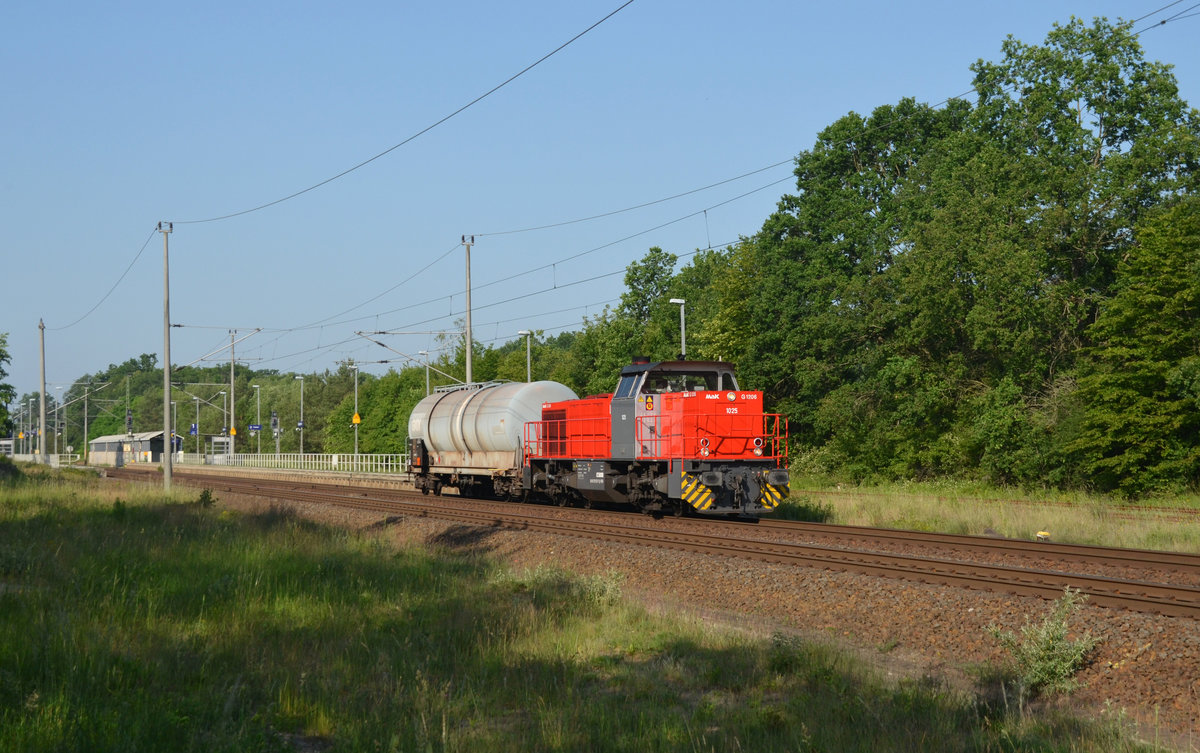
356	417
528	360
258	415
57	420
682	329
426	354
300	426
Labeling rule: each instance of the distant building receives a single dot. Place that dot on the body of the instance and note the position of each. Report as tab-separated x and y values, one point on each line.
124	449
6	447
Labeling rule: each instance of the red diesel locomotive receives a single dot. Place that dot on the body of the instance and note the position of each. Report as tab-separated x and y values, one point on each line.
673	436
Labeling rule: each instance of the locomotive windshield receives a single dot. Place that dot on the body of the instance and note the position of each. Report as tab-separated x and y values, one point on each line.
658	382
627	386
645	378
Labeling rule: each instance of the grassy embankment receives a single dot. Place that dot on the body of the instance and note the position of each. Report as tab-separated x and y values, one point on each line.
133	623
949	507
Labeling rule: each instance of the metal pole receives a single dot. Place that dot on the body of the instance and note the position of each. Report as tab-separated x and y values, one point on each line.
470	347
426	354
301	378
42	409
258	414
197	424
86	447
355	367
528	359
682	330
232	402
168	439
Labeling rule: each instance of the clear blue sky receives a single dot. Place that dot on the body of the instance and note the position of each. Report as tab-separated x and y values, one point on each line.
119	115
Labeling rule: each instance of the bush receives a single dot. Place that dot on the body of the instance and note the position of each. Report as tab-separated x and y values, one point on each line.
1044	659
9	472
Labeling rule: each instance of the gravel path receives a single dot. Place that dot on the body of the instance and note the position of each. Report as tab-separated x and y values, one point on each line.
1147	667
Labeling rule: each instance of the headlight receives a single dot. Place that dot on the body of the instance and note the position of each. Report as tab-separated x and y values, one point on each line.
758	452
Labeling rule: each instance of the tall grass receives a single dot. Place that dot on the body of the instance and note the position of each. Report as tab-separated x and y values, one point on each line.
971	508
132	622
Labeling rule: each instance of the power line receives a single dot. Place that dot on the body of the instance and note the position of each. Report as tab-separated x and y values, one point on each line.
643	205
419	133
110	290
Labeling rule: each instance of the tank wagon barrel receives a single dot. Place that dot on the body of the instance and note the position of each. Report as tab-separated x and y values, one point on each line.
472	436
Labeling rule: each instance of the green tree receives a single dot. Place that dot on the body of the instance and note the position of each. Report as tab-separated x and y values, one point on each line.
7	392
646	283
1141	428
807	303
384	405
1016	225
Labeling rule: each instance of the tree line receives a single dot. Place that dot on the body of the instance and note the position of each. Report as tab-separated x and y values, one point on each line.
1005	290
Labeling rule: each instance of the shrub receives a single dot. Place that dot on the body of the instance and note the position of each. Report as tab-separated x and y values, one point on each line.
9	472
206	498
1044	658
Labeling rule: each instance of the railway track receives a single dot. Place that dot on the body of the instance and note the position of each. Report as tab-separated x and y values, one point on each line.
1155	586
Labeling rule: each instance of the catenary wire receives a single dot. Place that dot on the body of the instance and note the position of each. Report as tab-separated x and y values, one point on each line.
110	290
419	133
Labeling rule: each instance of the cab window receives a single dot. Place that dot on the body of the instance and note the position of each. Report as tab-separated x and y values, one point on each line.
627	386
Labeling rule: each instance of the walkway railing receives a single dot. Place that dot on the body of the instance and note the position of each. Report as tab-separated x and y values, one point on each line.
346	463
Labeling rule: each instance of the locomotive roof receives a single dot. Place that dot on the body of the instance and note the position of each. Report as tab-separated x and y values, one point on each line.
687	366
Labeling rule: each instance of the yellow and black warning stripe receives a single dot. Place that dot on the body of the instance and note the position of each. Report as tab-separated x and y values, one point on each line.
772	496
697	494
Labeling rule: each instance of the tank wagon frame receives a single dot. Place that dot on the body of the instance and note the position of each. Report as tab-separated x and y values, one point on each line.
673	436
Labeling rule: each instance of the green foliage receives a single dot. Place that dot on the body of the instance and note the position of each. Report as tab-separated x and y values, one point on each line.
1141	428
7	392
646	284
9	472
1043	656
919	307
384	404
805	509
